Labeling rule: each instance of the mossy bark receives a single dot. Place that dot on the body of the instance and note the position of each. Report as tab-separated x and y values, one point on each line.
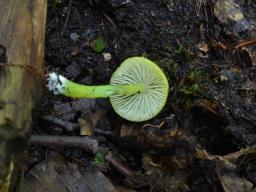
22	31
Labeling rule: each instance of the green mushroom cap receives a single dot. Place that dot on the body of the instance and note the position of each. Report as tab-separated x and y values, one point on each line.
146	104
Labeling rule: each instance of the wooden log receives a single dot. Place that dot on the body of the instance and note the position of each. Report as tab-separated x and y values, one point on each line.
22	31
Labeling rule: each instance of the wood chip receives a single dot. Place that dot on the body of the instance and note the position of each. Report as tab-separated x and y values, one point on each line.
73	70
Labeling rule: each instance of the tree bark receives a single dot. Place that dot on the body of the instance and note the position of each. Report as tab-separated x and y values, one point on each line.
22	31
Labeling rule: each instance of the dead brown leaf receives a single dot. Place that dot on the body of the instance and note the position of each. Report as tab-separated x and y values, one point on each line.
58	175
127	131
232	183
89	122
225	169
209	105
203	46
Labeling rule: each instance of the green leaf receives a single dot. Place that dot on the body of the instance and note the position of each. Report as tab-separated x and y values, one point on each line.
191	90
99	158
98	44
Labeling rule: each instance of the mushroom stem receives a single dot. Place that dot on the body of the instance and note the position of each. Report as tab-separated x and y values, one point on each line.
60	85
101	91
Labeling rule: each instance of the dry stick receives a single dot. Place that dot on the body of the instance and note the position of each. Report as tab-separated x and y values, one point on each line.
86	143
67	17
68	126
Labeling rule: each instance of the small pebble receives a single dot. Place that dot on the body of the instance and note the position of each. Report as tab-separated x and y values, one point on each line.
74	36
223	78
152	13
107	56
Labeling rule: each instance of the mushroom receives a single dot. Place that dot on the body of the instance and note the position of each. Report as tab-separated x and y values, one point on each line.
138	89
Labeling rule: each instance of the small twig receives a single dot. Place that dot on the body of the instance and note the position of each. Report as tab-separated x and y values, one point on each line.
68	126
121	168
246	43
85	143
109	19
199	5
104	132
67	17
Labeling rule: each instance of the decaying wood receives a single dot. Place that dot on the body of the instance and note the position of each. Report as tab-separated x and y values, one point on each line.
22	31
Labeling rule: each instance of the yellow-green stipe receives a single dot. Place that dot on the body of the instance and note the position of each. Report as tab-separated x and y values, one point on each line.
76	90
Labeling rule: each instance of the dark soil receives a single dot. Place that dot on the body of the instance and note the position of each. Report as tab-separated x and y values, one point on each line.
212	99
